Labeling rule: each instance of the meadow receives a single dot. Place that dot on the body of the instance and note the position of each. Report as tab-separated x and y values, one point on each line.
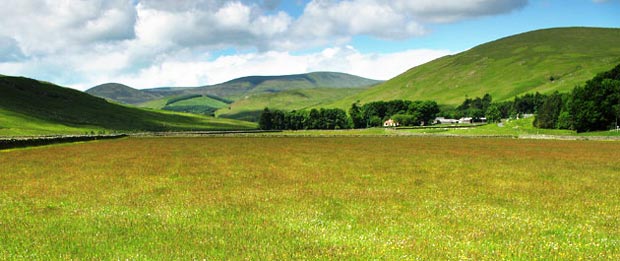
312	197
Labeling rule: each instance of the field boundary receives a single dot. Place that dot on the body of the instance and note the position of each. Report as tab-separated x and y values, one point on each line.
564	137
20	142
442	126
200	133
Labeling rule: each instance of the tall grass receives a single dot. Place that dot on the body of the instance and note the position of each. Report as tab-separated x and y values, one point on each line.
306	198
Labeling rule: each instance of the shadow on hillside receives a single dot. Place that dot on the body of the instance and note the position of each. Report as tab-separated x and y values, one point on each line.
252	116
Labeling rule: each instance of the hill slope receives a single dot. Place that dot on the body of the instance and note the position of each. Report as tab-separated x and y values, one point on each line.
237	88
122	93
543	61
249	108
245	86
63	110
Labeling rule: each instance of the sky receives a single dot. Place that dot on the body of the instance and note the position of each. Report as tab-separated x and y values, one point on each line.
175	43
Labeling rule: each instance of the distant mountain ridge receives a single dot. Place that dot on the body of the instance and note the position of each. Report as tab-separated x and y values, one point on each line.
236	88
538	61
122	93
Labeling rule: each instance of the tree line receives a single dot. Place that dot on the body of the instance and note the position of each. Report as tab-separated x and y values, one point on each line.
592	107
595	106
373	114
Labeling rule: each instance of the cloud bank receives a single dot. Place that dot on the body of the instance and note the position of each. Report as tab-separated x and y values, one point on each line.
147	43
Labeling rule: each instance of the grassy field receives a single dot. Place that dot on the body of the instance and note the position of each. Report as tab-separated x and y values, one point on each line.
510	127
304	198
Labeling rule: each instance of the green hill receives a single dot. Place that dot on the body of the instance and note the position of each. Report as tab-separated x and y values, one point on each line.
234	89
245	86
31	107
538	61
193	103
249	108
249	94
122	93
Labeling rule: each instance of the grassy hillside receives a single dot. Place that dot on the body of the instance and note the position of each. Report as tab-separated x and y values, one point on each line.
31	107
249	108
196	101
234	89
242	87
252	94
543	61
122	93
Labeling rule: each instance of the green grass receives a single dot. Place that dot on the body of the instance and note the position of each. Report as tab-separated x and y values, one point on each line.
363	198
28	106
121	93
507	128
16	124
506	68
200	101
198	105
154	104
240	88
249	108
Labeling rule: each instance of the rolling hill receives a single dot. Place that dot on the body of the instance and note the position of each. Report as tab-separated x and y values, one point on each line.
29	107
538	61
191	103
248	95
122	93
237	88
245	86
249	108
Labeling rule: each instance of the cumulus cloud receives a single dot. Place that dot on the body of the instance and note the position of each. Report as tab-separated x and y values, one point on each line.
170	42
9	50
42	27
215	24
324	20
179	70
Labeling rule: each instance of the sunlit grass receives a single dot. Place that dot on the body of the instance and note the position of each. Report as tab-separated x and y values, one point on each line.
304	198
510	127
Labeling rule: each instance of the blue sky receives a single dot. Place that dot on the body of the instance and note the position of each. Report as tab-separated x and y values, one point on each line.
152	43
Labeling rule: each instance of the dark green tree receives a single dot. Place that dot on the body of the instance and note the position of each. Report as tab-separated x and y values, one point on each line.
265	120
549	111
357	118
596	106
493	113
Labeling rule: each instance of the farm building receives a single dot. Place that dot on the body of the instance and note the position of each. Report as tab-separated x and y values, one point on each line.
466	120
471	120
391	123
442	120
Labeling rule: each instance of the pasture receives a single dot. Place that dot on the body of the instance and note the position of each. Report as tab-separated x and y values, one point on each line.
312	197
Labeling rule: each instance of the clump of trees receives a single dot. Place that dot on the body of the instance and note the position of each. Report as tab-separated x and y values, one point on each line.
325	119
407	113
373	114
594	106
480	107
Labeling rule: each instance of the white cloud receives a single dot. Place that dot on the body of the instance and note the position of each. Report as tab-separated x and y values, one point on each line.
147	43
178	70
215	25
326	20
43	27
